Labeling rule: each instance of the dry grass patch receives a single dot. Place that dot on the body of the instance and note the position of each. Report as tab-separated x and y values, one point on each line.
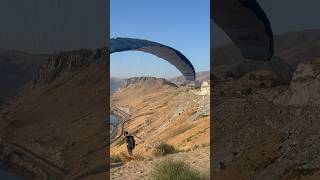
116	158
176	170
163	149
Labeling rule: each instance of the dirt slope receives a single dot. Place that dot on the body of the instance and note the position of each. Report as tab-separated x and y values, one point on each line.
161	112
136	170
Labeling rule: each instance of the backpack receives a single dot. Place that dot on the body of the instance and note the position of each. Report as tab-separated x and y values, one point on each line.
132	141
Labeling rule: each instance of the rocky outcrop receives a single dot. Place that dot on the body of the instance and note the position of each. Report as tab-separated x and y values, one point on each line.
205	89
150	80
304	89
64	63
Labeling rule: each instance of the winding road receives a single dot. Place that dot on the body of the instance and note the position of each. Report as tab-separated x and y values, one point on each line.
117	131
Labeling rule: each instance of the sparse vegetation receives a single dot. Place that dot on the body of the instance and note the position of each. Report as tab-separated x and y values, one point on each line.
120	142
115	159
189	139
195	146
164	149
252	77
205	144
139	157
176	170
123	157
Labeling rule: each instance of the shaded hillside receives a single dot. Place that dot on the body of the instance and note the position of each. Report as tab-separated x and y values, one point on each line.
16	69
68	98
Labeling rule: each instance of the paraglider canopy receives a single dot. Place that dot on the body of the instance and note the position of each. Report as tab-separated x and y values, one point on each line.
162	51
247	25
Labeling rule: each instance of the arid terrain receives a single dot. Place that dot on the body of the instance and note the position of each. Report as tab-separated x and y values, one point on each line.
266	115
66	98
140	169
162	112
55	126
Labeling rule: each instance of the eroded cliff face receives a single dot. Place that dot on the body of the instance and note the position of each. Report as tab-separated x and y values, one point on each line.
147	81
64	63
304	88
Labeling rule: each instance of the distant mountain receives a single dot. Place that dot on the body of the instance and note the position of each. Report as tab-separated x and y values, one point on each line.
115	84
292	47
16	69
200	76
276	65
147	81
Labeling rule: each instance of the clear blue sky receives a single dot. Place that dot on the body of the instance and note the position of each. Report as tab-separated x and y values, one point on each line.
183	25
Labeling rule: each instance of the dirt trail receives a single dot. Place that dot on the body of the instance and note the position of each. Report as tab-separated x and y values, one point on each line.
136	170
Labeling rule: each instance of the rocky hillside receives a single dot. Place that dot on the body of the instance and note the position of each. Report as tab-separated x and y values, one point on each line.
162	112
258	136
147	81
68	98
16	69
304	89
64	63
